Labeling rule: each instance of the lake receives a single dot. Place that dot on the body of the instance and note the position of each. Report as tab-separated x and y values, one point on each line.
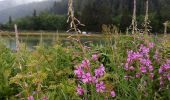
32	41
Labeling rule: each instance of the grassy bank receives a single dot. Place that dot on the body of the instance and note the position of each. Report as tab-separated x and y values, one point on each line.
52	72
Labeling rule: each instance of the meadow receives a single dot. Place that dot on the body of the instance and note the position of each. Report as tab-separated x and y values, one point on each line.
124	67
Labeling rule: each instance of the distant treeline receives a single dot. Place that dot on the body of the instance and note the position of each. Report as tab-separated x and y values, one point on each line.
95	13
43	21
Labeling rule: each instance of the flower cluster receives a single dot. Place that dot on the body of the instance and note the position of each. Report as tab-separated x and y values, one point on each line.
139	63
32	98
141	56
164	72
87	74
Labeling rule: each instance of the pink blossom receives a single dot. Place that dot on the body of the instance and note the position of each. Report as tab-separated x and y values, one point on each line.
79	72
100	71
126	77
132	68
146	62
85	63
143	49
151	45
161	80
79	90
94	79
160	70
100	87
137	75
112	94
150	68
168	76
30	98
126	66
44	98
143	69
168	61
151	75
95	57
86	78
156	55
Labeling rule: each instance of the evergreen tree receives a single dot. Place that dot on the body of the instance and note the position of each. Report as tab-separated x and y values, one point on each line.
10	20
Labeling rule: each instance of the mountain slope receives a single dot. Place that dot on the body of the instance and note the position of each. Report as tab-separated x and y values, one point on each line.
23	10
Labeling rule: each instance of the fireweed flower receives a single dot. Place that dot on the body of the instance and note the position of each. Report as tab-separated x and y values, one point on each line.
142	58
100	87
146	62
161	80
126	67
132	68
151	75
126	77
143	69
85	63
112	94
137	75
143	49
151	45
44	98
95	57
156	55
164	72
79	90
160	70
168	76
30	98
90	76
86	78
100	71
94	79
78	71
150	68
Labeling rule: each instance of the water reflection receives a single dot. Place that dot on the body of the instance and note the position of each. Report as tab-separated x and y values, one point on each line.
32	41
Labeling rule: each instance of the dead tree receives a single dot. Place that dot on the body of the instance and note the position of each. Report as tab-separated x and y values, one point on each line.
146	25
16	37
165	28
133	25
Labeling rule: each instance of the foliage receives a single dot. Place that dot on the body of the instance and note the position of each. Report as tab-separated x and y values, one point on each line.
43	21
48	71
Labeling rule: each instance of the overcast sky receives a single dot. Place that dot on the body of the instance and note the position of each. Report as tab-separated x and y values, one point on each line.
21	1
25	0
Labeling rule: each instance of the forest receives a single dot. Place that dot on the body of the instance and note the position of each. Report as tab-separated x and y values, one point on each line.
115	12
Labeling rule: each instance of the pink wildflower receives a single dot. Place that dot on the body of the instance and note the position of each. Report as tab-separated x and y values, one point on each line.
137	75
79	90
100	71
85	63
79	72
151	45
161	80
143	69
44	98
112	94
168	76
30	98
94	79
150	68
132	68
160	70
86	77
151	75
100	87
126	77
94	57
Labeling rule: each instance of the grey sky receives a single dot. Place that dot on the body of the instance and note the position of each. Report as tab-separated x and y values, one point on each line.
21	1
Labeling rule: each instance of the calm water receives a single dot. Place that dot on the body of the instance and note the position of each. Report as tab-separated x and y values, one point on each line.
32	41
